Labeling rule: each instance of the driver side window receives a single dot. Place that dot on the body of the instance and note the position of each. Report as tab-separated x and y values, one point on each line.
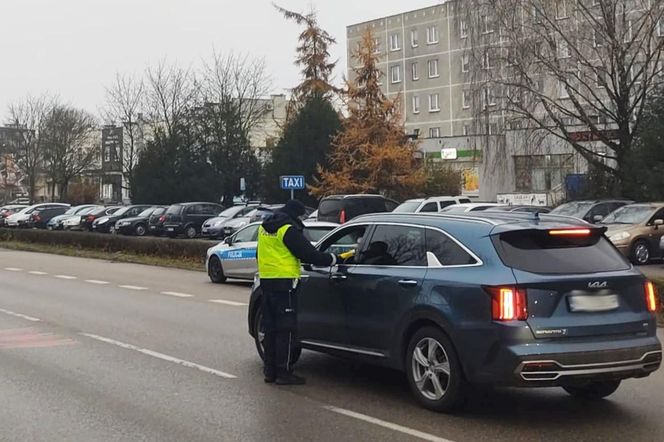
250	234
345	240
656	216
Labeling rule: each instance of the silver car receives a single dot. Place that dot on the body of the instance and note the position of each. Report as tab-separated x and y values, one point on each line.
235	257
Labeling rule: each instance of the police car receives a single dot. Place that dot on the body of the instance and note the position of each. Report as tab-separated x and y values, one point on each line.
235	257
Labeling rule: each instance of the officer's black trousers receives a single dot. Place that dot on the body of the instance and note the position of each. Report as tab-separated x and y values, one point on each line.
279	326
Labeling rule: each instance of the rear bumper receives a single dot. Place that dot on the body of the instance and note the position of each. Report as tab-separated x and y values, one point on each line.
563	362
173	228
213	232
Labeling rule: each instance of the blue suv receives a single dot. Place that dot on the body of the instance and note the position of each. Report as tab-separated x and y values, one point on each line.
480	298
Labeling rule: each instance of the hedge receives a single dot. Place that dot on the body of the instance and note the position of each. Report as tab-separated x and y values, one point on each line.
147	246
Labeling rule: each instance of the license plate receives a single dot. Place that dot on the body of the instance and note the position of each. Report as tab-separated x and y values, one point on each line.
589	303
170	229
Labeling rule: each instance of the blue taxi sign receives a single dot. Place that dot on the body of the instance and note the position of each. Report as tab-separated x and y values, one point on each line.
292	182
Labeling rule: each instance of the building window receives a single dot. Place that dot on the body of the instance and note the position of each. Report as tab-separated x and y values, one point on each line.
660	27
107	154
488	97
414	38
486	60
487	25
465	99
434	132
463	29
492	129
433	68
432	35
537	15
627	37
465	63
541	173
394	42
466	130
563	49
395	73
416	104
416	132
597	40
600	79
376	45
434	103
562	89
561	9
414	71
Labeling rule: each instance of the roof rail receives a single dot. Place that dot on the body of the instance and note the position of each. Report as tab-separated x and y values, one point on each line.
455	217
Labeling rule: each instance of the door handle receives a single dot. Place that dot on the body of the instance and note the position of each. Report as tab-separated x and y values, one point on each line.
338	277
408	283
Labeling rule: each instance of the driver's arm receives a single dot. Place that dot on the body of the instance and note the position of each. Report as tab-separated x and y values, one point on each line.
300	246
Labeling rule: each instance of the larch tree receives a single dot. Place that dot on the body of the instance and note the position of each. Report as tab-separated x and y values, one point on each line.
372	152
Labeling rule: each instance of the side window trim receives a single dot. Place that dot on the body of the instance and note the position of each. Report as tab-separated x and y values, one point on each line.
478	261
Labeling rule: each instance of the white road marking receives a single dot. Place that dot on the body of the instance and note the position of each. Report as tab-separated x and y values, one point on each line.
132	287
177	294
385	424
13	269
19	315
161	356
96	281
233	303
67	277
36	272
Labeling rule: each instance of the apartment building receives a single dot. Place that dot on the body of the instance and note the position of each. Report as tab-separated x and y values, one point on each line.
425	60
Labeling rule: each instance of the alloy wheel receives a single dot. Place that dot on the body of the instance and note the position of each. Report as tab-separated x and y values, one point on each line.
431	369
642	253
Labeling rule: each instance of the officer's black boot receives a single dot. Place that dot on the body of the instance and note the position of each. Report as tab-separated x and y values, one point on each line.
290	379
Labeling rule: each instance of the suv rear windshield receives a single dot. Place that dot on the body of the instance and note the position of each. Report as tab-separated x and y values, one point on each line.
329	208
537	251
174	210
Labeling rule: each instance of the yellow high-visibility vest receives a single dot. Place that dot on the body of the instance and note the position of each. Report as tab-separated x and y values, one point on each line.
275	261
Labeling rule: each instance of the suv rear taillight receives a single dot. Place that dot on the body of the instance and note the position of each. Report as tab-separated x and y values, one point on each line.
162	218
90	218
508	303
342	216
652	300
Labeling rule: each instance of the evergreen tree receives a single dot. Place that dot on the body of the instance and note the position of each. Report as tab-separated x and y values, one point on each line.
372	152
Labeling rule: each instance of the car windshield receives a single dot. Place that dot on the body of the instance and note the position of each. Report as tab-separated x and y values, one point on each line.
121	211
146	213
408	207
576	209
174	210
231	212
87	210
72	211
629	215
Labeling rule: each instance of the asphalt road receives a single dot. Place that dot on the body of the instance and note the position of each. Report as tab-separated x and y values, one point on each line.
91	350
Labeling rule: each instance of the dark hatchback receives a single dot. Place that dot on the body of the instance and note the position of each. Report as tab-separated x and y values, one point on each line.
343	208
106	224
137	225
481	298
156	222
188	218
89	218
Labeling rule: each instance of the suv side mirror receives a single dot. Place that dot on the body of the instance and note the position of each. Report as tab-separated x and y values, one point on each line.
597	218
658	223
228	240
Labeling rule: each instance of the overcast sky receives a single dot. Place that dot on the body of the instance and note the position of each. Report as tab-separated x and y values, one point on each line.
73	48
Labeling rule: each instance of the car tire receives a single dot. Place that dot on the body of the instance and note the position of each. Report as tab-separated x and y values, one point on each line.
140	230
593	391
296	351
441	389
640	254
216	270
190	232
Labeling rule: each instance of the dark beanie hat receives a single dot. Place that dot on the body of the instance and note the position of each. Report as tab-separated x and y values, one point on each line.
294	209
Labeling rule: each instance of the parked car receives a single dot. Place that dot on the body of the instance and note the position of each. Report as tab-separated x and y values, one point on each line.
106	224
21	218
431	204
479	298
137	225
637	231
8	210
259	213
55	223
235	257
39	219
521	209
470	207
343	208
188	218
214	227
156	221
590	211
85	221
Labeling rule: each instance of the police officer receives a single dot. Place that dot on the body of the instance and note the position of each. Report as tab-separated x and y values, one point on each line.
281	248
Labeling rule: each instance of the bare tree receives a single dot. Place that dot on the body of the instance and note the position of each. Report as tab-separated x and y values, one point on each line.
124	103
71	146
579	71
171	93
29	117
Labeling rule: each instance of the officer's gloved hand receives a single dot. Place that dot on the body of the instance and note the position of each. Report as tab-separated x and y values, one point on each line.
346	256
